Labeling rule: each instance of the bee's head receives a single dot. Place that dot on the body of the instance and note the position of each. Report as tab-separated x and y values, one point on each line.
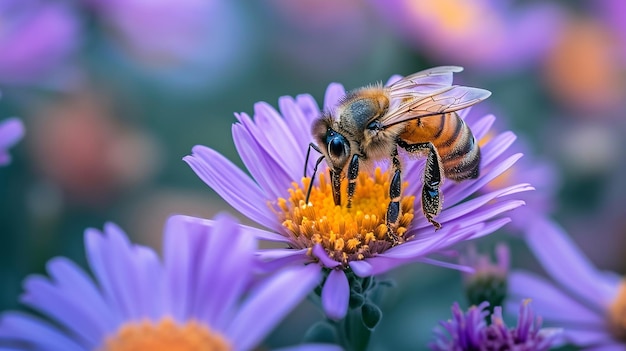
334	146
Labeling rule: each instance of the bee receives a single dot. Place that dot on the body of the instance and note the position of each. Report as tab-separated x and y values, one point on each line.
416	113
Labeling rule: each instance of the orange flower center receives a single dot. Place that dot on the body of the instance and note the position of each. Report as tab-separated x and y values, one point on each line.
165	335
346	234
617	314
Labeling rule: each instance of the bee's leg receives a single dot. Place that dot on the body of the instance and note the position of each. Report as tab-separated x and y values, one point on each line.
335	177
353	173
395	191
431	197
306	160
308	192
433	177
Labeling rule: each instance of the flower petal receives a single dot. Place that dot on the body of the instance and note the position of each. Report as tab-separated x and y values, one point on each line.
220	174
552	304
320	254
569	266
336	294
309	107
268	304
11	131
37	334
334	93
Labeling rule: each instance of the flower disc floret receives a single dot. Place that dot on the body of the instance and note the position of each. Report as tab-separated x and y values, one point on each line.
346	234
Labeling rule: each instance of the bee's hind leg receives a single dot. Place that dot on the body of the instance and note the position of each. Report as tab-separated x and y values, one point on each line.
431	197
433	176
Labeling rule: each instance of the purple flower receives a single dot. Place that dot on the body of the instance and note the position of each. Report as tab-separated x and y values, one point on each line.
470	331
11	131
37	38
273	147
487	34
197	295
589	304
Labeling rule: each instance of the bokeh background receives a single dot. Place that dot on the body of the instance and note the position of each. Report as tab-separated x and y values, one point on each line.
114	93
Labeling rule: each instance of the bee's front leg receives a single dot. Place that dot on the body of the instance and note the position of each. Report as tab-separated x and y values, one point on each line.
353	173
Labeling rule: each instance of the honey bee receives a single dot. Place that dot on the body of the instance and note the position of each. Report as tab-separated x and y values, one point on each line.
417	114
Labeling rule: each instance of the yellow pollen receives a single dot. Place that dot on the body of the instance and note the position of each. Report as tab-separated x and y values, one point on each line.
165	335
346	234
617	314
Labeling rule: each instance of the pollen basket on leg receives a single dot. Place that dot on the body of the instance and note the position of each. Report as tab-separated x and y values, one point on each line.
346	234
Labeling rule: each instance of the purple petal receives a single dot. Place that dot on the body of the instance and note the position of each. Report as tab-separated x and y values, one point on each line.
270	302
273	179
552	304
298	124
65	309
481	128
457	194
309	108
274	259
41	335
394	78
71	280
220	174
320	253
336	294
568	265
334	93
211	293
102	255
361	268
11	131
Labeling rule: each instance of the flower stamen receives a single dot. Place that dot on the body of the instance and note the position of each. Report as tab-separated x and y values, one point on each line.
346	234
165	335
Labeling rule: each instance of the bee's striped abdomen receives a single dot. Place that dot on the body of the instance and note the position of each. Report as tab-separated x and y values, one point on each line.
454	141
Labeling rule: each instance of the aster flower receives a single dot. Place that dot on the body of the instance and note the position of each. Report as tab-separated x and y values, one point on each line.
339	241
470	331
590	304
11	131
487	34
32	30
197	298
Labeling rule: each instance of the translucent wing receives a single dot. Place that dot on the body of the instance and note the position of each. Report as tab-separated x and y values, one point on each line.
428	93
423	83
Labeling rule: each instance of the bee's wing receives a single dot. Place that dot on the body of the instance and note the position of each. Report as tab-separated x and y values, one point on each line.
429	92
423	83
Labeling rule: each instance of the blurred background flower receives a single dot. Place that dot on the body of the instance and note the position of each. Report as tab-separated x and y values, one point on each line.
38	39
113	94
489	35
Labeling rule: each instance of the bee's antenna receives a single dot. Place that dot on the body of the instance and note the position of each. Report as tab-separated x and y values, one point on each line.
308	152
308	192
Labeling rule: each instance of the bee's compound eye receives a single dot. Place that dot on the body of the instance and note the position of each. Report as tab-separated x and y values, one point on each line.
336	147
